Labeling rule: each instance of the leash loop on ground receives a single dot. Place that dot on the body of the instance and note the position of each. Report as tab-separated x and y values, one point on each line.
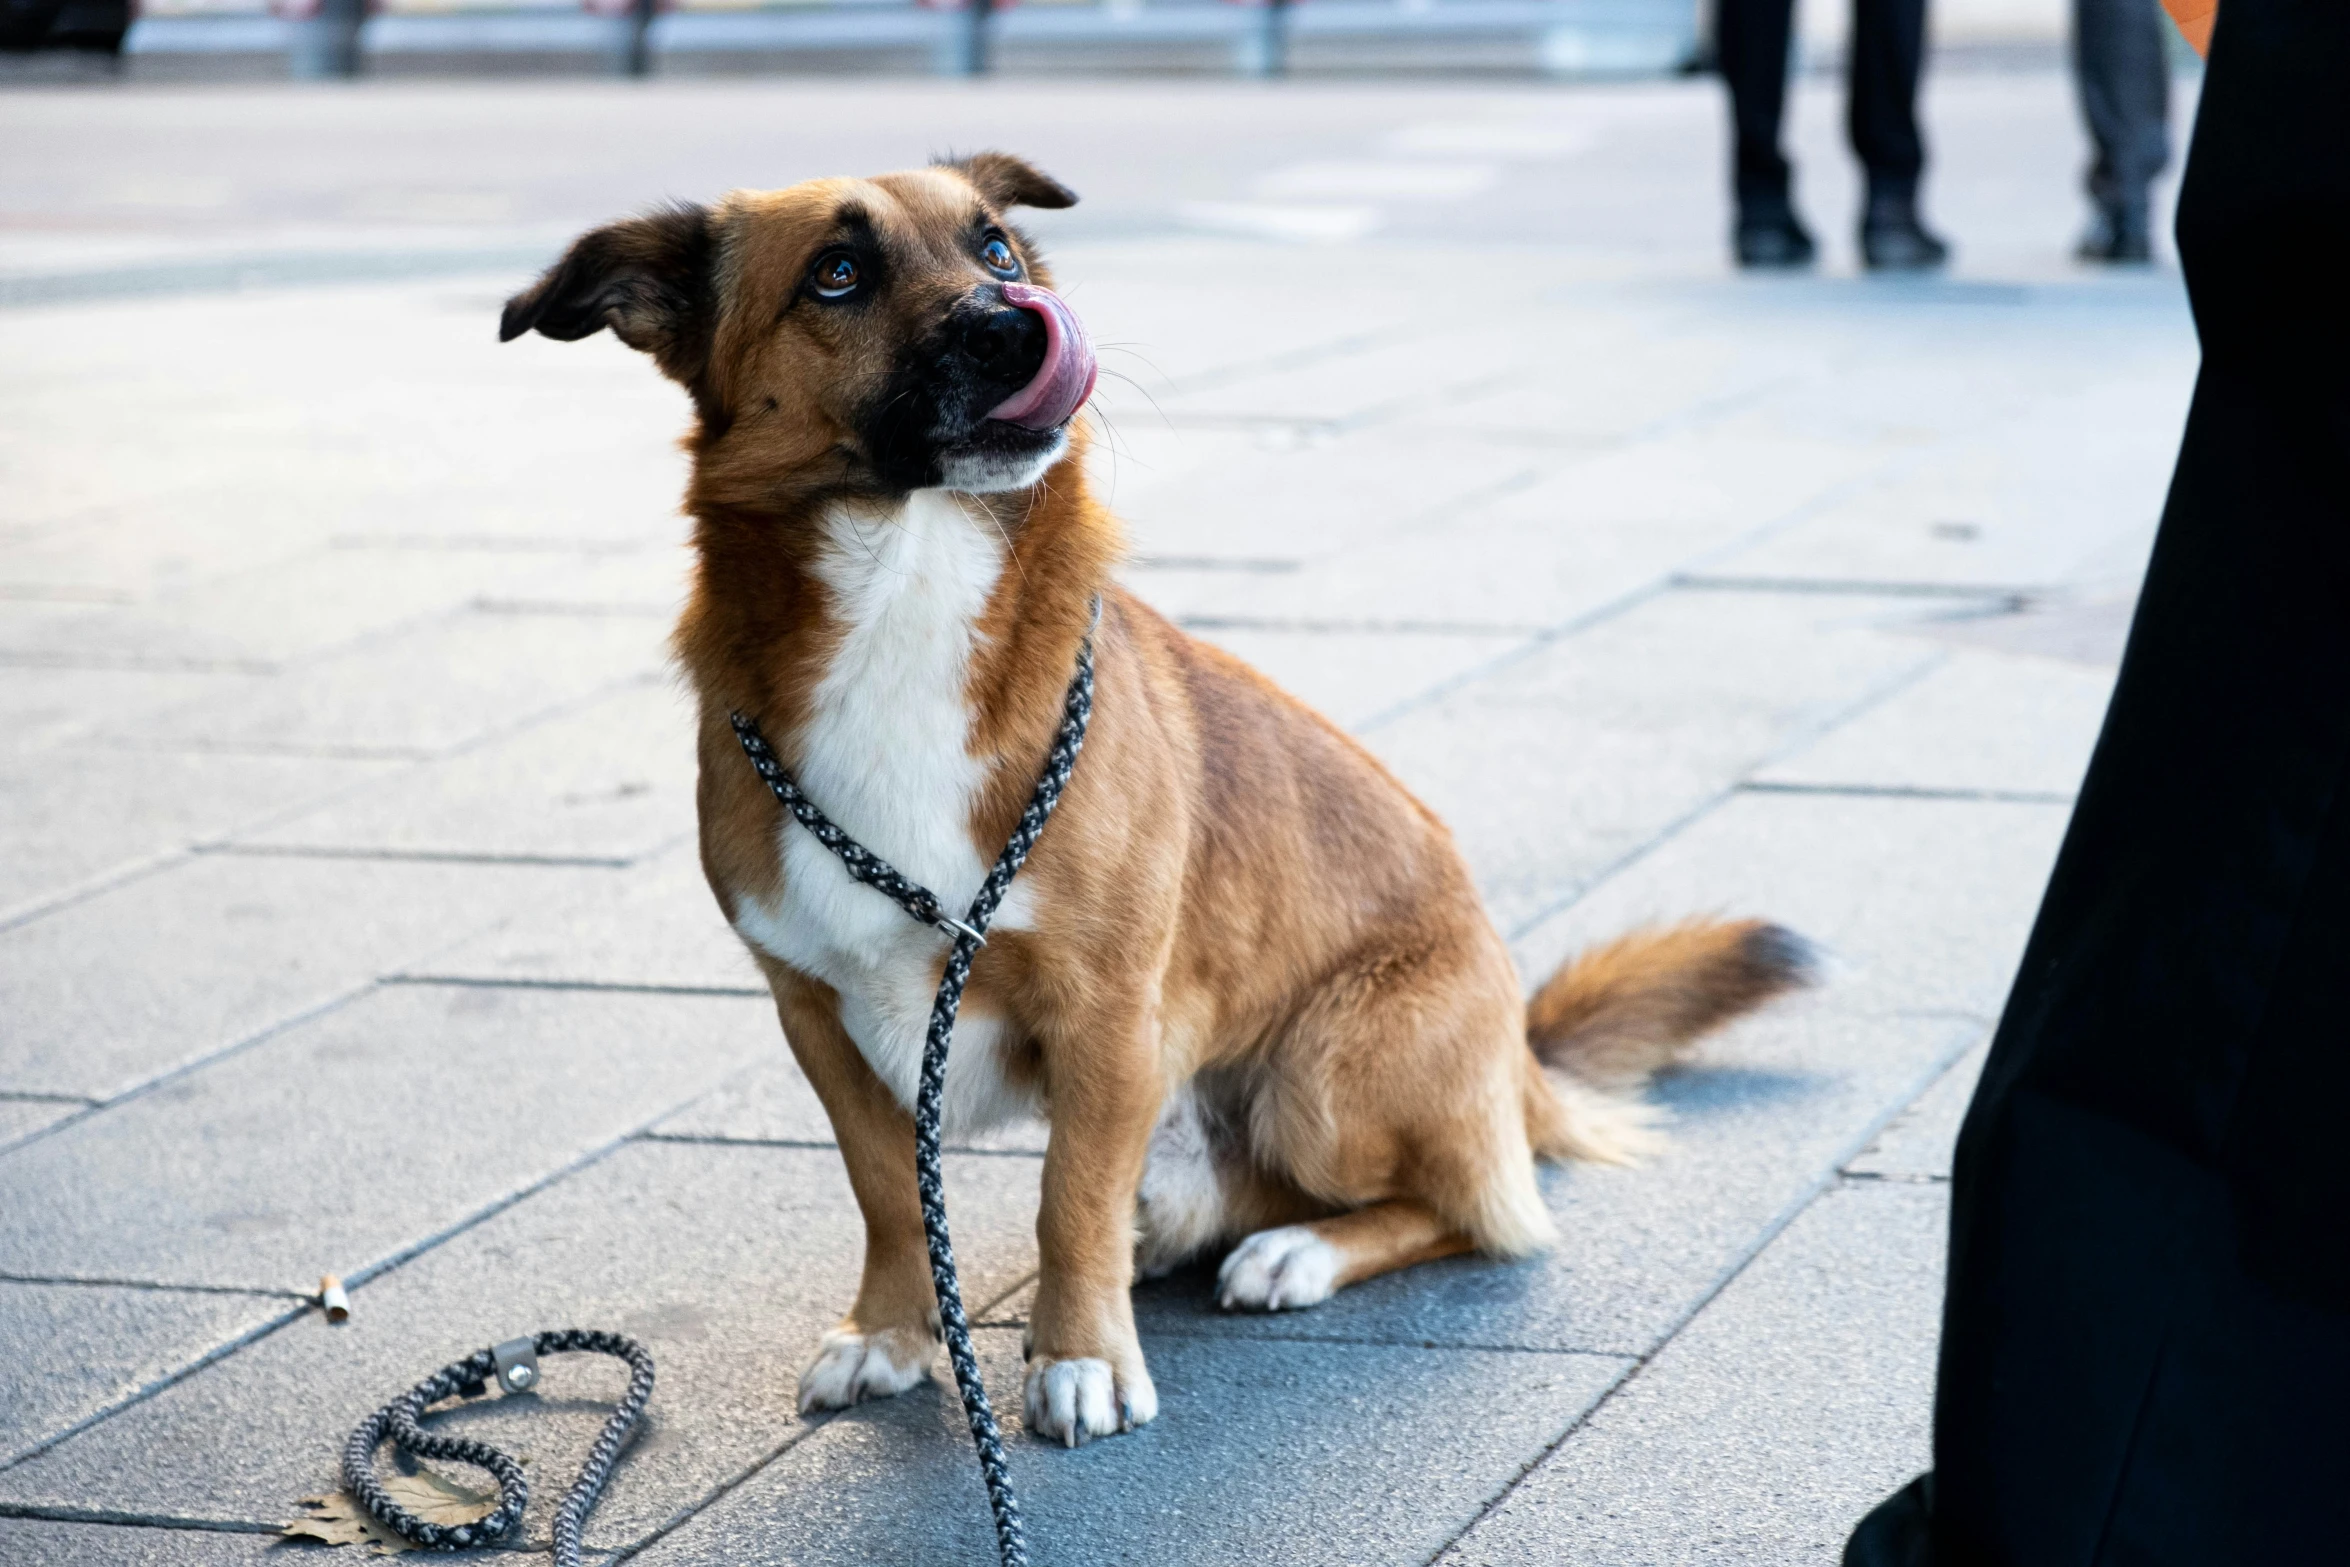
969	935
503	1364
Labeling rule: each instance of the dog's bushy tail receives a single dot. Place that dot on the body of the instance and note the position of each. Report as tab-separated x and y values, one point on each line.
1616	1015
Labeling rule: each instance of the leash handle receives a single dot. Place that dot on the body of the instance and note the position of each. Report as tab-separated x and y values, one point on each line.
513	1369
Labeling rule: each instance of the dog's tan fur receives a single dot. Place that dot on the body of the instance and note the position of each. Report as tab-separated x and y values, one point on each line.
1236	903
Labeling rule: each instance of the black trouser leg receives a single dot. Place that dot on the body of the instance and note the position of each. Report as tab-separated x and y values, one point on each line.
1751	41
2146	1338
2124	79
1888	50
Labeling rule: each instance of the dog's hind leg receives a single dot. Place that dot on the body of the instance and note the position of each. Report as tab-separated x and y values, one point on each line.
1300	1265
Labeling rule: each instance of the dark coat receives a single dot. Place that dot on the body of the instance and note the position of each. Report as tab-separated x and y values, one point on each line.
2146	1345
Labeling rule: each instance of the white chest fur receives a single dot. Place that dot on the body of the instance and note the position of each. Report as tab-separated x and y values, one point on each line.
886	754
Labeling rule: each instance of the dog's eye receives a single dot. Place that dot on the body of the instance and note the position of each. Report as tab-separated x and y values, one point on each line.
836	273
999	257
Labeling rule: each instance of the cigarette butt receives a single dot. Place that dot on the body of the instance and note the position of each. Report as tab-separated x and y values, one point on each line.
331	1296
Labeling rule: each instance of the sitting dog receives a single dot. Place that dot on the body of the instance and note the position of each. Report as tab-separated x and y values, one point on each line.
1245	975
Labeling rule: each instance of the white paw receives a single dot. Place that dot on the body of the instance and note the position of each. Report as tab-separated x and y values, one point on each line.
1074	1401
852	1367
1278	1270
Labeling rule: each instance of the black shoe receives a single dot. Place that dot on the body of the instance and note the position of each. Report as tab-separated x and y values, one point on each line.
1899	1533
2117	237
1773	238
1893	240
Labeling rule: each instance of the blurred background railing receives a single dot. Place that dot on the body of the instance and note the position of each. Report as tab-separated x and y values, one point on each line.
321	38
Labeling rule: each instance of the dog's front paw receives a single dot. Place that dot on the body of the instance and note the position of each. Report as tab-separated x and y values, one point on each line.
851	1367
1074	1401
1278	1270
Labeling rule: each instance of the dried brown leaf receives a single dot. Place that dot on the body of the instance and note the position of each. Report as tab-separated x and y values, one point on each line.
337	1518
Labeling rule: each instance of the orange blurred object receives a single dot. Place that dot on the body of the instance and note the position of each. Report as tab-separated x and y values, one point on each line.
2194	18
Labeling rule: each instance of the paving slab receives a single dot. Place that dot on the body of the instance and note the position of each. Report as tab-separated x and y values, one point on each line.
1375	379
2091	627
46	705
166	969
22	1117
422	691
1545	554
28	1542
1269	493
1917	1146
2025	500
1979	723
1309	1453
1640	370
1352	677
1555	766
1920	906
69	817
287	611
610	781
448	433
110	550
655	925
71	1350
333	1145
1795	1402
1759	1121
1923	906
728	1263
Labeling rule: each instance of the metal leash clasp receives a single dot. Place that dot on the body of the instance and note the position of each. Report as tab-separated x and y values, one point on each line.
518	1364
955	927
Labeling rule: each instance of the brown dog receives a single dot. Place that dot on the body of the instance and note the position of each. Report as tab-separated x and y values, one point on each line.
1245	974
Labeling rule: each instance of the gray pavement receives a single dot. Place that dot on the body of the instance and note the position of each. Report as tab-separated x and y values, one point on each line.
350	923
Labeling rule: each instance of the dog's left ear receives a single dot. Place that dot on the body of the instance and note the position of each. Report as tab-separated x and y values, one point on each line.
649	279
1007	181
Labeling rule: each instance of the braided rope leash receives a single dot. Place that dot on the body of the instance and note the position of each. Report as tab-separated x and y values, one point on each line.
969	934
514	1372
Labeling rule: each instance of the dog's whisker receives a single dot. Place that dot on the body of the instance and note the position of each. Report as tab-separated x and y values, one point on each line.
1146	393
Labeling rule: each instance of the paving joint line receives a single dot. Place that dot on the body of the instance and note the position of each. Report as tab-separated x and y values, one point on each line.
140	1394
2007	598
256	271
155	1286
1825	1181
579	610
808	1429
1909	792
723	1140
1796	740
1308	625
58	900
48	1512
1368	1341
358	1278
622	987
1662	583
146	1086
32	658
300	851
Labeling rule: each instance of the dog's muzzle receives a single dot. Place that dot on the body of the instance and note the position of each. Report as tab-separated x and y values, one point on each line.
1065	379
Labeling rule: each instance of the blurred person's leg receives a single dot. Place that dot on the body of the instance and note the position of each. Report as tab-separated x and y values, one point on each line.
2124	79
1750	41
2146	1341
1881	112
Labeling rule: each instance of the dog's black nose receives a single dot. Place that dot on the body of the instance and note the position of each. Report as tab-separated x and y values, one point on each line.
1005	346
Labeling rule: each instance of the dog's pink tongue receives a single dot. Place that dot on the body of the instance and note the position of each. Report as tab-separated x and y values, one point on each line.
1065	380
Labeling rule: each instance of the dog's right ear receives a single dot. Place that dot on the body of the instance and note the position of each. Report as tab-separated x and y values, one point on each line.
649	279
